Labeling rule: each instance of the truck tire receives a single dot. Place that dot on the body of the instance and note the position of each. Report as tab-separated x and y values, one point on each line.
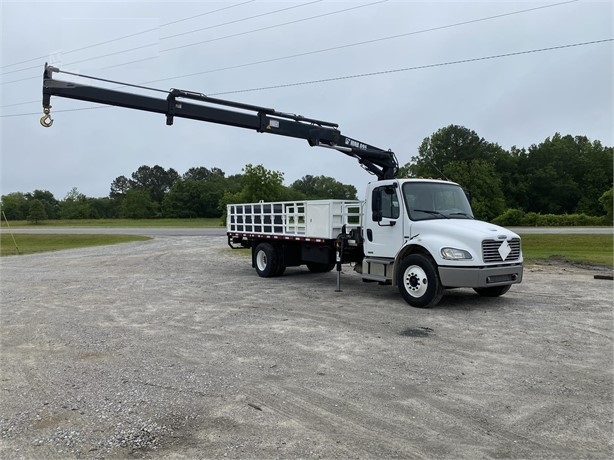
319	268
281	268
418	281
494	291
265	260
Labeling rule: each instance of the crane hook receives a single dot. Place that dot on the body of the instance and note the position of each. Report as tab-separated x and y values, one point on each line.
46	119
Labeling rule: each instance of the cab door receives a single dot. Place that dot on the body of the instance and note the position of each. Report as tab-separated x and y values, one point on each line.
384	222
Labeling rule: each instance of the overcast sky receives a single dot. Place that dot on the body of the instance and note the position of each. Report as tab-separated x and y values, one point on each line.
259	52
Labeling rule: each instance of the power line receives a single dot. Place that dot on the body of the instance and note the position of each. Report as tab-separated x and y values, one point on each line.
362	75
275	26
112	81
406	69
307	53
240	20
122	38
210	40
197	30
365	42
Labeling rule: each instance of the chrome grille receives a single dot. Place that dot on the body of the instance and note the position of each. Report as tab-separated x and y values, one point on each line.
490	250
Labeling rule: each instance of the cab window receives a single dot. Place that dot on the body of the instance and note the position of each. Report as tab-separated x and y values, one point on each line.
386	201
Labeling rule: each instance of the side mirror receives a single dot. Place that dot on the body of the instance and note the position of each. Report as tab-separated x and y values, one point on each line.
377	215
391	189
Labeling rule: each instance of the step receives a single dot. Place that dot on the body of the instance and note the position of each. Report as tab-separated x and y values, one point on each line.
378	278
378	260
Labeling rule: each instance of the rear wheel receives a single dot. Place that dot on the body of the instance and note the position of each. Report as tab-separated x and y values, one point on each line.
494	291
265	260
418	281
281	268
319	268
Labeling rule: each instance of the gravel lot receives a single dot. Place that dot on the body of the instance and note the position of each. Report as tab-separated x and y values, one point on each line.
175	348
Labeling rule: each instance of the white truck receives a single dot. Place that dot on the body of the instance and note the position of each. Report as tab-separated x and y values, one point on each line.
417	234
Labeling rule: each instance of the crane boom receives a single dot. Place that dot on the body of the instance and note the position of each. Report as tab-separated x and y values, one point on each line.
382	163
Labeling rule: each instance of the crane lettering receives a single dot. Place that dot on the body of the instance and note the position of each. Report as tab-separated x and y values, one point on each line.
355	144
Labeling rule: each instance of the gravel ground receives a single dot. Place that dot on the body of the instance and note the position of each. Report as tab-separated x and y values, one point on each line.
175	348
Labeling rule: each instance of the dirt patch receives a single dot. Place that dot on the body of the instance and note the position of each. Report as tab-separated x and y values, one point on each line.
555	264
174	348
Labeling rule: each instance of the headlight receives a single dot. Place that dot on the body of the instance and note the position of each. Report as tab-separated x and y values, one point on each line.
455	254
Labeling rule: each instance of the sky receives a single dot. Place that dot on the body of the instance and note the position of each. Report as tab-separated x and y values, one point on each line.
387	72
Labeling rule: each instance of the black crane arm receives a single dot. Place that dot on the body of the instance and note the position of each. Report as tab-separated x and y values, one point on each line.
319	133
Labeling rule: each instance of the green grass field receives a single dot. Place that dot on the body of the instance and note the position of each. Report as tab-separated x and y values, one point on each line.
21	243
580	249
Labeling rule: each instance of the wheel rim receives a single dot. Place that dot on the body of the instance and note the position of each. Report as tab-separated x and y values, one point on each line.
415	281
261	260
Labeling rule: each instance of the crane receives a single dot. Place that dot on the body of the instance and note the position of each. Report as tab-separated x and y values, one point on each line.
179	103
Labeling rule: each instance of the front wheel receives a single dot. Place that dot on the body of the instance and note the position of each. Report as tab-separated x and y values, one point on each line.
265	260
418	281
494	291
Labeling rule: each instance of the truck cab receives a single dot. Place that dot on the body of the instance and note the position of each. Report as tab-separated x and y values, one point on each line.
420	235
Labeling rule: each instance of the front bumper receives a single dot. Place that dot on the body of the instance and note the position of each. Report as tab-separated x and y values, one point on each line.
480	277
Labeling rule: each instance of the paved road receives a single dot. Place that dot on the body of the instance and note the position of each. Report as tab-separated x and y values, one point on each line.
560	230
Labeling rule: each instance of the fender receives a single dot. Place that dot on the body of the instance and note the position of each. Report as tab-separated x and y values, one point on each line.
408	248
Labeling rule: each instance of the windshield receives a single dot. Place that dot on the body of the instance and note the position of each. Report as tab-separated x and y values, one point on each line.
434	200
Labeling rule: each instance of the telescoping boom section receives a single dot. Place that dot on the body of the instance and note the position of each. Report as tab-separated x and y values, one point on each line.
382	163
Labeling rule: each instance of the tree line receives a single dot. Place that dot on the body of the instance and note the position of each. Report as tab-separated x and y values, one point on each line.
563	175
153	192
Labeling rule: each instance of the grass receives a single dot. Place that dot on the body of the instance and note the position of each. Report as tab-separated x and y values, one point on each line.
117	223
576	248
30	244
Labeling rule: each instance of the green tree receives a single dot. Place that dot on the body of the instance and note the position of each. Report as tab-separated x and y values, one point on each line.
75	205
513	181
37	212
156	180
260	183
480	178
137	204
103	208
193	198
607	202
446	146
323	187
196	194
15	206
459	154
119	187
566	175
255	184
596	176
183	199
52	206
203	174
